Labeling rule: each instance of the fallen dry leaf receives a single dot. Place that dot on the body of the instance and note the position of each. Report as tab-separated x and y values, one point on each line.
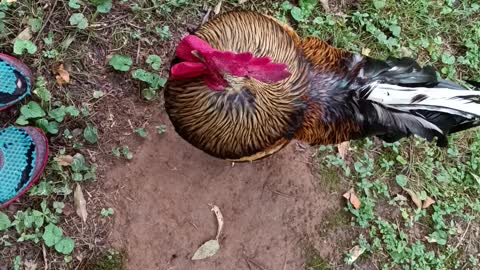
476	177
211	247
219	216
405	52
400	197
428	202
80	203
366	51
30	265
208	249
26	34
352	198
325	5
343	149
64	160
414	197
63	77
242	1
354	253
217	8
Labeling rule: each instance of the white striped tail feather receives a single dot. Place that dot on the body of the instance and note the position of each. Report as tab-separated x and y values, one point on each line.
426	111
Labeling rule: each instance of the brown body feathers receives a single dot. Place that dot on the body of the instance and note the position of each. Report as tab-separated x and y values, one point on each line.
331	96
249	119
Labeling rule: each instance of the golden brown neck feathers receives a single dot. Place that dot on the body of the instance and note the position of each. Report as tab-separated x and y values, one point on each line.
250	119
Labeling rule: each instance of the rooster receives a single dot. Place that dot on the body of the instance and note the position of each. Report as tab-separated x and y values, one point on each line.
244	85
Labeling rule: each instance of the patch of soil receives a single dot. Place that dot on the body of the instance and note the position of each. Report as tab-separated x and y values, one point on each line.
271	208
343	5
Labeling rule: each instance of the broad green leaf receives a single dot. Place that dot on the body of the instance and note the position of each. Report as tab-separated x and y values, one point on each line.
58	206
104	7
78	164
65	246
164	32
79	20
53	127
158	82
77	177
126	153
42	189
395	29
42	124
29	221
49	39
149	93
47	126
142	132
38	218
20	46
379	4
74	4
91	175
153	80
5	222
35	24
401	160
448	59
43	94
439	237
401	180
72	111
121	62
208	249
116	151
52	235
143	75
57	114
297	14
32	110
307	6
91	134
51	54
106	212
286	6
17	263
155	61
21	121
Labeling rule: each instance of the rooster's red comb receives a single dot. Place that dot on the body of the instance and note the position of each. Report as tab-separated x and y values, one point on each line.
198	52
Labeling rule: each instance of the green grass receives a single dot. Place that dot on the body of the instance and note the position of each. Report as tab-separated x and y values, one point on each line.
315	262
443	33
396	235
110	260
395	232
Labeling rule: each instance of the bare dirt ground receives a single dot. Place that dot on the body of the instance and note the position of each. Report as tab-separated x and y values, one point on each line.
272	208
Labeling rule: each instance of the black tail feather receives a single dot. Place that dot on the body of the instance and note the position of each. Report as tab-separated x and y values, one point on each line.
474	83
400	71
391	124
